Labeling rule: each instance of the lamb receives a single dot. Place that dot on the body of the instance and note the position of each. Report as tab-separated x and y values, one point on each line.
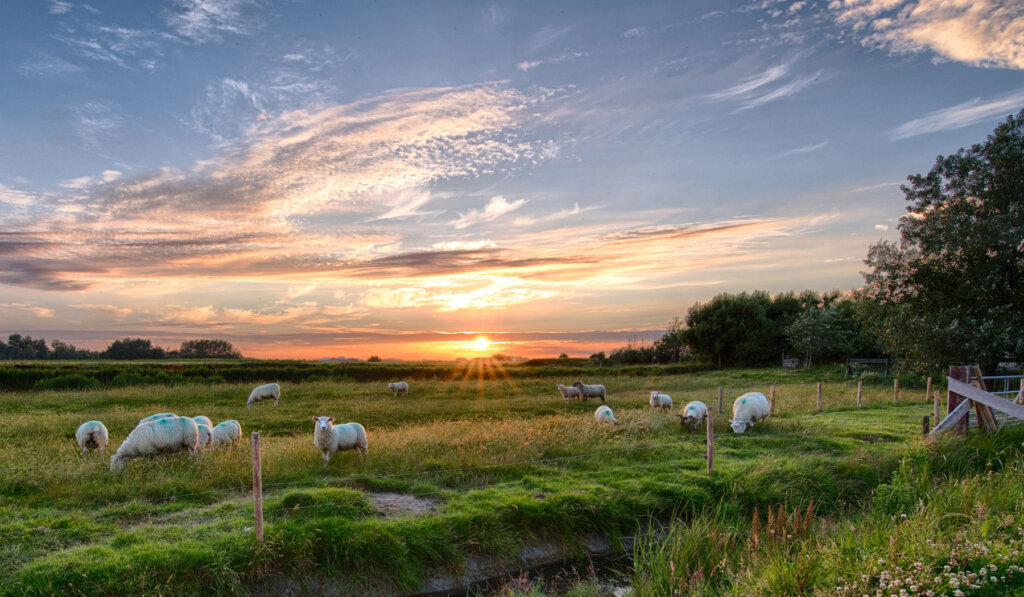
593	391
568	392
747	409
156	417
204	435
270	391
694	414
167	435
659	400
329	438
399	386
603	414
203	420
225	433
92	434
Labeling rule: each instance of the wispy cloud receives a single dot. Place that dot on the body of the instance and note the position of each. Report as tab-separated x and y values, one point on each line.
752	83
58	7
208	20
634	32
29	308
986	33
495	208
804	149
960	115
111	310
559	215
48	67
526	65
783	91
547	36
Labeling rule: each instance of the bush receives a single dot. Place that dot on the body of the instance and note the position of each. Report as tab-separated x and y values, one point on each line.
75	381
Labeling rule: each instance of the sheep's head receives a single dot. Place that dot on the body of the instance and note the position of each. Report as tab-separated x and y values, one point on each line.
738	426
116	464
578	384
324	422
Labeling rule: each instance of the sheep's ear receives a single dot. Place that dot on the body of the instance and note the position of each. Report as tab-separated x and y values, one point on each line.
315	419
330	419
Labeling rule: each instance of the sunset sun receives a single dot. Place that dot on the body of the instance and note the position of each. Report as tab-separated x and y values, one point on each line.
481	344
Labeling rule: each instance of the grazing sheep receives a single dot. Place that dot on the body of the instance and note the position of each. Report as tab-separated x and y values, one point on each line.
167	435
399	386
659	400
203	420
329	438
568	392
225	433
92	434
594	391
747	409
694	414
204	435
603	414
270	391
157	417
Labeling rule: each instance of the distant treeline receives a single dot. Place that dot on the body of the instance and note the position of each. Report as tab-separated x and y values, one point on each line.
755	329
26	348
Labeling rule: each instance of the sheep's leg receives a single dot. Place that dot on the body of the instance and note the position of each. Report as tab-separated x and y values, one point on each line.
83	450
327	458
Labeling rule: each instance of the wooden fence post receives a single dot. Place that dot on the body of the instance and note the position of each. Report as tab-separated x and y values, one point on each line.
938	406
721	392
928	390
819	395
896	391
1020	394
860	392
711	443
924	426
953	400
257	485
771	400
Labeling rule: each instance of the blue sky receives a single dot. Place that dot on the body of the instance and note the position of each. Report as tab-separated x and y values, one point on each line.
316	178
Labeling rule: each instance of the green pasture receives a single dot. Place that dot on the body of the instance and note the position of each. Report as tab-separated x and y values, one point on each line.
499	457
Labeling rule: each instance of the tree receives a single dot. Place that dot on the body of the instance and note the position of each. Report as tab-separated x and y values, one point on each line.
819	332
952	290
208	349
671	348
732	330
24	347
133	348
373	359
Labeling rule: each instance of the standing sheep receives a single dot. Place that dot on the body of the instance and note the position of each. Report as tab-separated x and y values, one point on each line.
329	438
225	433
747	409
603	414
156	417
594	391
92	434
270	391
568	392
399	387
659	400
167	435
694	414
203	420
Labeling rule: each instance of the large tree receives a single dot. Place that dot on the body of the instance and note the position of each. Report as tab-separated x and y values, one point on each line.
133	348
208	348
952	290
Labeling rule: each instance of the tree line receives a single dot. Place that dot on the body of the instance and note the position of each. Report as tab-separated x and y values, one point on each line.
20	347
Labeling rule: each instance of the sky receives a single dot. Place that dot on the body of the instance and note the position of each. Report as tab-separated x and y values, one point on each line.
318	179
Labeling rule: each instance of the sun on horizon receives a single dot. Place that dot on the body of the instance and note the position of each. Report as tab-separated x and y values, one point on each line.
481	344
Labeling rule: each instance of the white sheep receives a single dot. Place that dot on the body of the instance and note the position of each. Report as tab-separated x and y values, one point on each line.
659	400
92	434
170	434
156	417
399	387
568	392
203	420
225	433
603	414
747	409
270	391
204	435
694	414
593	391
329	438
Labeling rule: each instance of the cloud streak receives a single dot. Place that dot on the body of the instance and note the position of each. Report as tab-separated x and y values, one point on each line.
959	116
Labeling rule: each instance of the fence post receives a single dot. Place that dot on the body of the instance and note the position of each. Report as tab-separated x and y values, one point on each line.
938	405
924	426
819	395
771	400
928	390
896	391
1020	394
953	400
860	392
257	485
711	442
720	393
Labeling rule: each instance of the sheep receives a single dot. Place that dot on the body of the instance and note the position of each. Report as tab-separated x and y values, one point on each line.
659	400
747	409
156	417
399	386
204	435
590	391
170	434
203	420
568	392
92	434
603	414
265	392
225	433
694	413
329	438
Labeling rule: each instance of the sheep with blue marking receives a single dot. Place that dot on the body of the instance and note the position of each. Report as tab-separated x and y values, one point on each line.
603	414
92	435
225	433
157	417
747	409
270	391
203	420
162	436
694	415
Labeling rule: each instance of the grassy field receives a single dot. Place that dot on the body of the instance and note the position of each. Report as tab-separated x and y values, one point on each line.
499	458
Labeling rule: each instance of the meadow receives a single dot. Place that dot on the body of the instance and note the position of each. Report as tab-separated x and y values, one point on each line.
482	462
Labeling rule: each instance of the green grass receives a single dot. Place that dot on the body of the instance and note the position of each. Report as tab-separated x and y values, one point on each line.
501	456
